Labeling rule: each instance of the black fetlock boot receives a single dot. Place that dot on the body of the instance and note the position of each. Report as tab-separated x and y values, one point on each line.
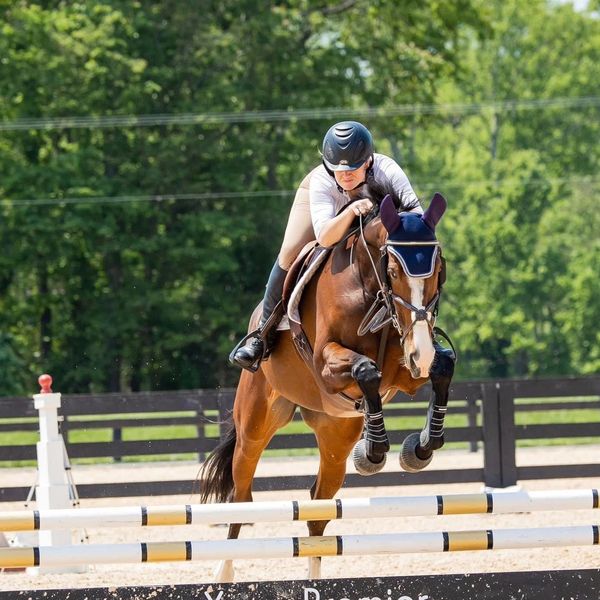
261	344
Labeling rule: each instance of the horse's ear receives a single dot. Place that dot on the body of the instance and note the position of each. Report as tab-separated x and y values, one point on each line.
435	210
389	215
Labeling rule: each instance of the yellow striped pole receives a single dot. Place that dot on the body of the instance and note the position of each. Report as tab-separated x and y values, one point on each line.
347	545
309	510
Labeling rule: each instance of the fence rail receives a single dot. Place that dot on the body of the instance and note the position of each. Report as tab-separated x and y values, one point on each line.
489	411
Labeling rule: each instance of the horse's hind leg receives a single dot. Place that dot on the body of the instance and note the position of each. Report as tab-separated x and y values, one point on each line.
258	413
335	438
417	449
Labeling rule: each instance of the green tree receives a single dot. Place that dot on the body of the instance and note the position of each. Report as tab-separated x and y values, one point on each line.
509	175
135	293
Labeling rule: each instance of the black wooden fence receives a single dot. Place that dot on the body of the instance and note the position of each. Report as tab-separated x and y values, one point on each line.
489	409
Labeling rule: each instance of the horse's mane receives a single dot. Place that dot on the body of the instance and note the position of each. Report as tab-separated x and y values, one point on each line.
377	190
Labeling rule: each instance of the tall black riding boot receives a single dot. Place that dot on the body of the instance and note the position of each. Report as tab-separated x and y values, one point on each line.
261	346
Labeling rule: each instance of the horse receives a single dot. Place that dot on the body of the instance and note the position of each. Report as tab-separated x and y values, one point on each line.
368	314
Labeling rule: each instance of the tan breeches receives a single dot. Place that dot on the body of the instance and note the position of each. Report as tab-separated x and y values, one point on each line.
299	230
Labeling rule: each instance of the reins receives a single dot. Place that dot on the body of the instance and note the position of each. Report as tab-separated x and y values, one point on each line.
375	319
383	309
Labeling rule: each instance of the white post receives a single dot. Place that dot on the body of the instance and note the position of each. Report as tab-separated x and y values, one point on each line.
52	490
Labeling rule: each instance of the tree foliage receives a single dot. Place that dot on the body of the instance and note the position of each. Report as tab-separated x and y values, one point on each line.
132	254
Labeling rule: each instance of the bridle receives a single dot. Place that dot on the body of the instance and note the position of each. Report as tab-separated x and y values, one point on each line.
384	308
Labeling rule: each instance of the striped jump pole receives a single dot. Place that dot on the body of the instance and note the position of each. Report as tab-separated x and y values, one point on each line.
339	545
309	510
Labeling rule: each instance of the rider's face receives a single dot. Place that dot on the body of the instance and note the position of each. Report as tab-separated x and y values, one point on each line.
348	180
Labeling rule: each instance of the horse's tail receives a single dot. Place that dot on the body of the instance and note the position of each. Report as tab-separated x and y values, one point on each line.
216	475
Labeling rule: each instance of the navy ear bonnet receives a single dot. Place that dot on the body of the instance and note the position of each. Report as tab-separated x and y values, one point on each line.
411	237
414	244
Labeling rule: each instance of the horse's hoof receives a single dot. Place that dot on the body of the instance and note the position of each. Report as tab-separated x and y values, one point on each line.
362	464
409	461
314	567
224	572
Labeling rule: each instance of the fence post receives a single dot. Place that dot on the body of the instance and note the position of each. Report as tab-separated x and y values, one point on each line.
506	423
201	427
472	411
499	464
117	436
492	466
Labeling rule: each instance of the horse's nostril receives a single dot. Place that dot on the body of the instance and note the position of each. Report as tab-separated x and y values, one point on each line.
413	365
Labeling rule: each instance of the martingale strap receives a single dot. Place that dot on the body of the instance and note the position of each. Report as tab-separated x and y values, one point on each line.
377	317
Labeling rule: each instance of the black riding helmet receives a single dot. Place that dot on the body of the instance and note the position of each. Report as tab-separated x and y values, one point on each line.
347	146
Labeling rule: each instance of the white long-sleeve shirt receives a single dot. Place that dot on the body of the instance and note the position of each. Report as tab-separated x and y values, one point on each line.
326	200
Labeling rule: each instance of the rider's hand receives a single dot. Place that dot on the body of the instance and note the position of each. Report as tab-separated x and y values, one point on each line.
361	207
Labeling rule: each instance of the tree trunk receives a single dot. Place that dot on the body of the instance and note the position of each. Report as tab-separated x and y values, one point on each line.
46	316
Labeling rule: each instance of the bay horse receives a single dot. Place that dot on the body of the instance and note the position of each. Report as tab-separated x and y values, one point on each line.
388	271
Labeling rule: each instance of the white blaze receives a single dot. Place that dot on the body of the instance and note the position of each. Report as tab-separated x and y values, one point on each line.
421	337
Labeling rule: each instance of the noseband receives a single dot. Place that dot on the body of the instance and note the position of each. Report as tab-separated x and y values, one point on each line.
383	310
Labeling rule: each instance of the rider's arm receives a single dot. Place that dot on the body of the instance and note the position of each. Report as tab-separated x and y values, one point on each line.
324	198
335	229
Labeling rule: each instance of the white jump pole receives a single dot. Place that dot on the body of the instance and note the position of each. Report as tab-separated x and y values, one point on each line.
352	545
307	510
52	489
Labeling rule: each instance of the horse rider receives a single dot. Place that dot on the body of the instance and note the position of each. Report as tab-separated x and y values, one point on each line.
348	163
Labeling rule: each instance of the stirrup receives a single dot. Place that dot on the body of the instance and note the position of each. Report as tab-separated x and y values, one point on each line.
262	333
257	333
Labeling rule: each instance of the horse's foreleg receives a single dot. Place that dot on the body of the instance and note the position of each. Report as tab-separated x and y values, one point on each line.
432	436
368	377
417	449
342	366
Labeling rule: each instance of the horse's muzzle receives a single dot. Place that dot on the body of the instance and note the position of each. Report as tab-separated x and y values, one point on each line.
418	361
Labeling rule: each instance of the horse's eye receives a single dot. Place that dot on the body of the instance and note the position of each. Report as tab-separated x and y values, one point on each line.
393	273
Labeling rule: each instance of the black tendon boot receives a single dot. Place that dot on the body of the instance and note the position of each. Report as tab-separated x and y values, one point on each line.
448	352
259	347
444	358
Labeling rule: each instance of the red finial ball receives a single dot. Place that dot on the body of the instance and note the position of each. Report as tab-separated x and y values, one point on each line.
45	382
